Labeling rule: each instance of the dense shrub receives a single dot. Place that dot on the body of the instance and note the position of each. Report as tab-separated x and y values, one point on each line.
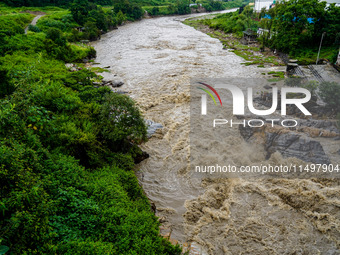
45	24
14	23
120	17
132	10
67	184
62	3
183	7
213	5
33	28
6	87
234	22
91	32
67	152
93	19
26	43
299	24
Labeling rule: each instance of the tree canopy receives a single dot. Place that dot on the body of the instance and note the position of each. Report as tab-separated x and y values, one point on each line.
299	23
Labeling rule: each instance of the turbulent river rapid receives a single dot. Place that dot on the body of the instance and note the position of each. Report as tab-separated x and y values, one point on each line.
156	58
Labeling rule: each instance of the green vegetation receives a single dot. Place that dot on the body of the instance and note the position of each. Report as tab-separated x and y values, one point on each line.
14	23
62	3
277	74
67	147
168	8
163	7
211	5
132	9
160	10
228	29
236	4
296	27
293	27
233	22
308	55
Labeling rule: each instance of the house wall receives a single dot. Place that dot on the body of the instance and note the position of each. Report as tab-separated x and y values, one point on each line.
259	4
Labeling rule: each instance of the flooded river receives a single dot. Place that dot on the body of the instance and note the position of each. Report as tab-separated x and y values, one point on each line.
156	58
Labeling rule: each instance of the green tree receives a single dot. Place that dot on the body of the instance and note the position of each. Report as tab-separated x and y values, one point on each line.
295	21
56	36
79	10
136	12
120	17
266	23
132	10
329	23
183	7
6	87
100	19
91	31
155	11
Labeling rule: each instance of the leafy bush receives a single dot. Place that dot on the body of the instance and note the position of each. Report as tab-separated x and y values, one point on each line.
154	11
14	23
67	152
33	28
298	30
45	24
213	5
233	22
121	119
6	87
120	18
49	3
91	32
56	36
132	10
183	7
26	43
67	185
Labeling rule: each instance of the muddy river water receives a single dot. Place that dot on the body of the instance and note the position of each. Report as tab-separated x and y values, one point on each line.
156	58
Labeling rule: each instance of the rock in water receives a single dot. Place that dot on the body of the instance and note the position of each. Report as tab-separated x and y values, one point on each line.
117	84
289	144
114	84
152	127
296	145
139	158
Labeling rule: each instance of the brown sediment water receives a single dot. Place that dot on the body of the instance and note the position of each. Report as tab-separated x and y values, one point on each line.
156	58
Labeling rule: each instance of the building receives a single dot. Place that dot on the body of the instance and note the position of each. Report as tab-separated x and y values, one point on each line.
259	4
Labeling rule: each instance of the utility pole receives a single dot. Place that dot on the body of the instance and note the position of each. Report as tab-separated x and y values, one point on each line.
323	34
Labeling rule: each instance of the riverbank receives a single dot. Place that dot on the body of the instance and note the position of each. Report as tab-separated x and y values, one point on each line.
250	52
67	179
161	9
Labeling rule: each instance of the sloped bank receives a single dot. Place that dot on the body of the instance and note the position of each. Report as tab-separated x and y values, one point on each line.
67	157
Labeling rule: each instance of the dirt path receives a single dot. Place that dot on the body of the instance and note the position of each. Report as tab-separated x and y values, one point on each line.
34	21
